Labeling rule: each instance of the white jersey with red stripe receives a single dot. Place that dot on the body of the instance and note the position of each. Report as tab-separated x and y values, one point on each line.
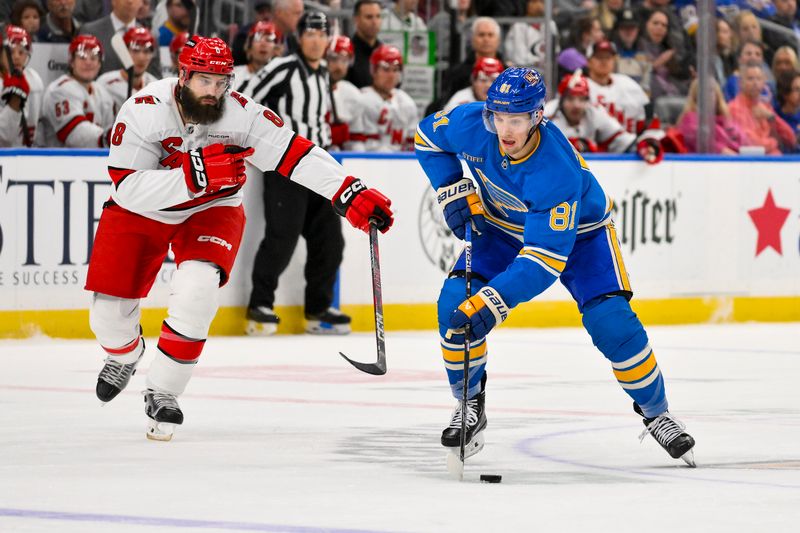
385	125
73	115
463	96
347	98
150	137
624	100
10	120
596	126
117	85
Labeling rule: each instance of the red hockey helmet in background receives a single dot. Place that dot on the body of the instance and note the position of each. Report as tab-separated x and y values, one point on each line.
386	55
574	84
205	54
341	45
264	29
17	36
487	66
85	45
178	42
138	38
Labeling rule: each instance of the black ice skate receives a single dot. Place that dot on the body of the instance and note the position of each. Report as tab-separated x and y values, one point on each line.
476	423
669	433
164	413
329	322
115	376
262	321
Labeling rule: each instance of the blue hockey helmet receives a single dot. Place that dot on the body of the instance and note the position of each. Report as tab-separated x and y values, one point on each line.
516	90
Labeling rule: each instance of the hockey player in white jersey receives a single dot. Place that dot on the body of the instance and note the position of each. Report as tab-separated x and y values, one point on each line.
346	105
261	47
142	45
622	97
76	111
389	117
484	72
177	163
21	89
591	129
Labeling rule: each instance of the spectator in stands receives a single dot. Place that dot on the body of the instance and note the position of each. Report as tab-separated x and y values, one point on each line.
786	16
585	32
286	14
525	44
500	8
725	61
630	60
622	97
758	121
608	12
121	19
677	36
788	107
175	48
389	117
144	17
27	14
261	46
402	17
76	111
346	99
728	137
21	89
784	60
367	21
60	26
670	76
142	45
262	11
748	29
485	43
177	22
484	72
750	52
89	10
439	24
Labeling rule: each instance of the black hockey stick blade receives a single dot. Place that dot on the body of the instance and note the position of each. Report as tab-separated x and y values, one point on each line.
377	368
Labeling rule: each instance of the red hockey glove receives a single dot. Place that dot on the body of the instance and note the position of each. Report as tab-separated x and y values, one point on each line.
360	205
483	312
650	150
460	203
340	133
15	85
213	167
584	145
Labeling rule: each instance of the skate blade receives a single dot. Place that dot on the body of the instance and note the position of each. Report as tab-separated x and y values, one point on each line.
688	458
327	329
160	431
260	329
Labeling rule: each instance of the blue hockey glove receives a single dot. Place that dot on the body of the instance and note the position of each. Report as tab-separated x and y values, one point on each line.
460	202
483	311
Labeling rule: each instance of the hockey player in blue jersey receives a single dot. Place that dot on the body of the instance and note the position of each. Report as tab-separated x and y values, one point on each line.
538	214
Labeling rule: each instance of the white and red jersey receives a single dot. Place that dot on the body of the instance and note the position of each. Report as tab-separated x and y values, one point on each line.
117	85
149	139
10	120
624	100
464	96
597	126
347	98
384	125
241	78
73	115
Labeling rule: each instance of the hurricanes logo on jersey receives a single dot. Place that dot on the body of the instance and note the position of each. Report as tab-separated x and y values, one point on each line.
174	157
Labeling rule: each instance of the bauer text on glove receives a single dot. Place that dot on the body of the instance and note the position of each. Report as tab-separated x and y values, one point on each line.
360	205
483	312
460	202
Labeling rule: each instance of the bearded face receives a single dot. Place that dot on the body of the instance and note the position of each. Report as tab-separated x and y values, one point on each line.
205	109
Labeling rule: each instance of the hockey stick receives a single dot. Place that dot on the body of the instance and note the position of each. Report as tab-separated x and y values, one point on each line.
23	120
124	55
379	367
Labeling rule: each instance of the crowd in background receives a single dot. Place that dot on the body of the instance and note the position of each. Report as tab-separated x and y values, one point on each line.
624	67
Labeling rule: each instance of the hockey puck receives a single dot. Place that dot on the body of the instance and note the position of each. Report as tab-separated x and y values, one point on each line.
491	478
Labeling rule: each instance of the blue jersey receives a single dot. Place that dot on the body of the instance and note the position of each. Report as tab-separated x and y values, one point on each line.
545	200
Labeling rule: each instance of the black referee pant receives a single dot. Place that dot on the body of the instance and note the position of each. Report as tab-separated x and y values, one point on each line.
291	210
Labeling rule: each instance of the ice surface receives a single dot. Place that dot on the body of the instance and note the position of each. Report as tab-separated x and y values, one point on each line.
281	434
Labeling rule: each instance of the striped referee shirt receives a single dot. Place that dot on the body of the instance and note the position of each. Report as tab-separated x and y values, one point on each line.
297	93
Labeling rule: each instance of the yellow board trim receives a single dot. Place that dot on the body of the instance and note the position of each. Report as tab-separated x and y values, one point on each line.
231	320
638	372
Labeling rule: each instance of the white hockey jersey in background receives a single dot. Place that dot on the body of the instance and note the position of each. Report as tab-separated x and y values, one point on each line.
624	100
74	116
10	130
597	126
384	125
117	86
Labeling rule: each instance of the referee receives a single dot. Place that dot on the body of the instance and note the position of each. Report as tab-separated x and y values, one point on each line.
297	88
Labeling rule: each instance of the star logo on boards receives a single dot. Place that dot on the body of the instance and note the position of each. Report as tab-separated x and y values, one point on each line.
769	220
